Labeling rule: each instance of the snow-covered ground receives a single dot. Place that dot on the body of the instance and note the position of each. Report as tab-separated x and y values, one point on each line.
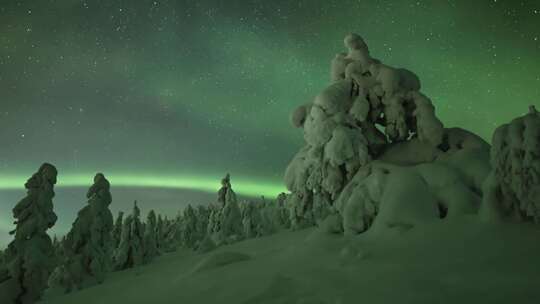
458	260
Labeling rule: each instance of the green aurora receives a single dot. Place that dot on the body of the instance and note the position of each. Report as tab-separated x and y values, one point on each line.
244	186
208	87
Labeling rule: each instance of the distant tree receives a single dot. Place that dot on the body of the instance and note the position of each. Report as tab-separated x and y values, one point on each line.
117	230
281	214
58	249
189	228
299	205
170	234
30	256
251	220
225	218
214	224
55	240
203	215
160	232
173	235
231	228
150	238
130	252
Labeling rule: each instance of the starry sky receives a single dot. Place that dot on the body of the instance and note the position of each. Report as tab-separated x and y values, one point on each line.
177	93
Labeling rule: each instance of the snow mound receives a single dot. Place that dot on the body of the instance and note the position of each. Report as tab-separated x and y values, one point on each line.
220	259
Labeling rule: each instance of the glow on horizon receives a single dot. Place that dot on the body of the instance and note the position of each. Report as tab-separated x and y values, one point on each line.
210	184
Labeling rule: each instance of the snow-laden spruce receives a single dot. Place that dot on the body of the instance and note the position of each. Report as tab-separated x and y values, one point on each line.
252	220
171	234
231	219
279	212
130	252
30	257
203	214
117	230
150	237
189	229
160	233
225	220
88	246
512	189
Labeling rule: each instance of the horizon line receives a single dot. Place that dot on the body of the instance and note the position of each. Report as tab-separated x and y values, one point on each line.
241	185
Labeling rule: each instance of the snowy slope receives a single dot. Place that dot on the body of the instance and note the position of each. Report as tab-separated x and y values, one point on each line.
458	260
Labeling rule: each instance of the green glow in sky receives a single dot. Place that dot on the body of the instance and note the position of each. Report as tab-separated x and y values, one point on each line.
210	184
158	93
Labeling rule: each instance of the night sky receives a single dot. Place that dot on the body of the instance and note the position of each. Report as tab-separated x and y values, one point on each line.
177	93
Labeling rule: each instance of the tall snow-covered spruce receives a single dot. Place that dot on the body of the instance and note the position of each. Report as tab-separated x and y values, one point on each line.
231	229
225	220
88	246
30	257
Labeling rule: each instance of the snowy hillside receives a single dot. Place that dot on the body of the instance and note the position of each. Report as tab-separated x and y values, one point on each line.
455	261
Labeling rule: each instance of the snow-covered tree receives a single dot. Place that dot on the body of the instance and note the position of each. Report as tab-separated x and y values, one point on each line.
59	252
300	210
90	237
214	224
30	256
171	234
222	193
130	252
252	221
225	220
203	215
189	228
322	206
512	189
206	242
117	230
150	238
174	233
231	228
216	210
281	214
160	232
88	246
367	108
275	214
